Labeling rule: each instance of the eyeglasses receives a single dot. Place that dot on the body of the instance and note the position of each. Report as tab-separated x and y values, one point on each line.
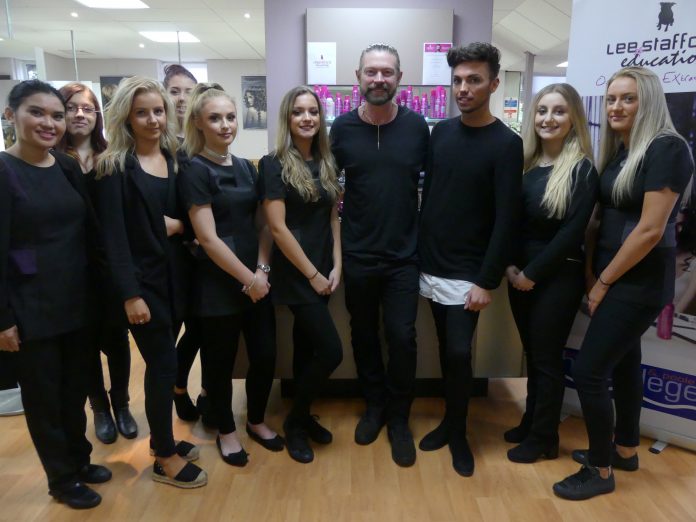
86	109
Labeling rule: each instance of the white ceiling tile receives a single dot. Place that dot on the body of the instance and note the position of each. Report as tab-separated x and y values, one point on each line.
529	31
547	16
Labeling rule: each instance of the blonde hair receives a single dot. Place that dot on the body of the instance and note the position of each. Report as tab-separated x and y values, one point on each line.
194	141
652	121
295	171
118	131
577	147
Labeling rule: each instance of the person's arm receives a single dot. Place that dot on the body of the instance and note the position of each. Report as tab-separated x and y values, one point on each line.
591	236
335	274
9	335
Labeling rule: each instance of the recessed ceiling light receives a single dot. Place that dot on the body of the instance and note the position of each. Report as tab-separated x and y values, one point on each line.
562	64
74	14
2	39
142	45
169	36
247	15
114	4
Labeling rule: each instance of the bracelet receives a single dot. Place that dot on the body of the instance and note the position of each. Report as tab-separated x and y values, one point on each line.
245	289
313	276
599	278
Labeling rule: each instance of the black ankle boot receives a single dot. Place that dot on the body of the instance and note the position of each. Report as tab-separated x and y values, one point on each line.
519	432
104	427
530	450
436	439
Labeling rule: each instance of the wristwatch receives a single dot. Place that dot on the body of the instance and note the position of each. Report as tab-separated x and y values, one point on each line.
264	268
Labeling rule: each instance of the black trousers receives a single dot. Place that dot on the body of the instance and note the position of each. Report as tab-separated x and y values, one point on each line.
544	317
8	370
455	328
53	377
186	350
112	339
220	336
317	352
611	350
156	344
394	288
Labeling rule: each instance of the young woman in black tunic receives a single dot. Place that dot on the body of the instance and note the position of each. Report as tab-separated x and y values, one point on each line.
559	191
84	141
142	221
645	168
230	288
300	200
48	250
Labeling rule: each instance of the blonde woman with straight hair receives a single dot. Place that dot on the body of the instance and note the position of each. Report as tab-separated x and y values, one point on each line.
230	287
559	191
300	199
142	221
646	167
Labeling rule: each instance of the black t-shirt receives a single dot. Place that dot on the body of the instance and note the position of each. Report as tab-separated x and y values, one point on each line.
471	191
233	195
666	164
547	242
380	205
310	224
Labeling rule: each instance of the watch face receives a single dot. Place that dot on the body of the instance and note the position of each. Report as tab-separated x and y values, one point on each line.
264	268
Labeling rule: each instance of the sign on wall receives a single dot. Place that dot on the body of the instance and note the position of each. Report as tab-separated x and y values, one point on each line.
606	36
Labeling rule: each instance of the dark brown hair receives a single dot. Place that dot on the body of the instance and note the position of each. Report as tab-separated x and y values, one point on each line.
96	140
174	69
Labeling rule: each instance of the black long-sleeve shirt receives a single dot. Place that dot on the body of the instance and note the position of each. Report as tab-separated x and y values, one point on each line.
472	187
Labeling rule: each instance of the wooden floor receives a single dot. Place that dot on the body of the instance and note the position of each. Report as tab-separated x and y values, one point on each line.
347	482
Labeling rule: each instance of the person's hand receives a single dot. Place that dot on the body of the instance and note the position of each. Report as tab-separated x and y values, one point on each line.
511	273
334	278
174	226
260	288
9	340
596	296
137	311
477	299
320	284
523	283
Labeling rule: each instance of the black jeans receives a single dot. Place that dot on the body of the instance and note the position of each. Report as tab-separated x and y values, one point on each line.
317	352
455	328
611	349
220	337
186	350
53	377
156	344
544	317
8	370
112	339
394	287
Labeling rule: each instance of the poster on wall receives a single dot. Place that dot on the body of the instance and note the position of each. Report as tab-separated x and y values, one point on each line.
254	112
109	84
435	68
321	63
658	35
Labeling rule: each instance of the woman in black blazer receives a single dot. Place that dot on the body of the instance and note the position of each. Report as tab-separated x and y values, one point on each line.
48	250
142	221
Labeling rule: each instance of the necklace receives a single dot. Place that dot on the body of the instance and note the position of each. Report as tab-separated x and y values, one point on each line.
372	122
213	154
545	163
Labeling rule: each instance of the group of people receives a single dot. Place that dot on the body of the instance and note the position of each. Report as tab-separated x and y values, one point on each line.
172	228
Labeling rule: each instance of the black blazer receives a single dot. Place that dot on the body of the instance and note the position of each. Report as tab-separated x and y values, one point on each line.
143	261
29	294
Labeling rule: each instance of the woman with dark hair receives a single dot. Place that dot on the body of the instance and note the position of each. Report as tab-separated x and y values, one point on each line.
646	166
300	199
84	141
48	251
142	219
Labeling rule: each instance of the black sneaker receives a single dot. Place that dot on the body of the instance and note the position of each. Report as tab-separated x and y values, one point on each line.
317	432
617	461
369	426
584	484
77	495
402	446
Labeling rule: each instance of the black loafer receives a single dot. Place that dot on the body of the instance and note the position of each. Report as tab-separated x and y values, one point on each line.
296	441
617	461
277	443
436	439
368	427
239	458
94	474
403	449
77	496
125	422
584	484
104	427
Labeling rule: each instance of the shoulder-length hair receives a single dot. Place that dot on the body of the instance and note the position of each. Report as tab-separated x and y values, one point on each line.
96	139
118	131
652	120
295	171
577	147
193	136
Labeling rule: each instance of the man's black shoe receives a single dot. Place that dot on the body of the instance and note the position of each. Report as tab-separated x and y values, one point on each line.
402	446
369	426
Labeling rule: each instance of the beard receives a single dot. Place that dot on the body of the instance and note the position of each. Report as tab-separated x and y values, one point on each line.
379	99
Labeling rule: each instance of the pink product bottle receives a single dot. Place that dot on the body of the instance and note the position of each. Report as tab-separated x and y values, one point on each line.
424	105
355	98
443	103
346	104
664	322
409	97
339	104
415	104
432	109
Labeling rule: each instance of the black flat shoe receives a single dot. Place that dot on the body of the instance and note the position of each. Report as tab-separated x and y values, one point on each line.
584	484
185	408
94	474
436	439
239	458
296	441
462	457
277	443
530	451
104	427
520	432
77	496
125	422
190	476
617	461
317	432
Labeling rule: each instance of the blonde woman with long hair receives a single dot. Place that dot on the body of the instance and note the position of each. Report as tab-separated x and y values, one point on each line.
142	221
646	167
230	288
300	199
559	191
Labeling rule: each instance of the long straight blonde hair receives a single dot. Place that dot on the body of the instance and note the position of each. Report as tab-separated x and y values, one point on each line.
194	141
577	147
118	130
652	120
295	171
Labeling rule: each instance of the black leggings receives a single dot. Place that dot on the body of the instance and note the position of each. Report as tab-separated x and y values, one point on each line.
455	328
8	370
611	349
112	339
186	350
317	353
220	342
544	317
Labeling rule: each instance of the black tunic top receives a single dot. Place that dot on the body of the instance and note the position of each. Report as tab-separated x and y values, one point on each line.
666	164
310	223
233	195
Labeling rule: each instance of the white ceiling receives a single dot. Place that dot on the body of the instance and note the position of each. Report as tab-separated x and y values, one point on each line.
538	26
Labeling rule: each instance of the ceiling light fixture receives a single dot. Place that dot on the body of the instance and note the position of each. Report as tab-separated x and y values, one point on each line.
114	4
169	36
142	45
74	14
562	64
247	15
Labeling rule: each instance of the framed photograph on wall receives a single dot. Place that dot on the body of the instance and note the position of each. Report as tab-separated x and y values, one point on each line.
109	84
254	115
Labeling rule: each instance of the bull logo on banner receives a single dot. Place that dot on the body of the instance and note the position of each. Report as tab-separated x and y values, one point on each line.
666	16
